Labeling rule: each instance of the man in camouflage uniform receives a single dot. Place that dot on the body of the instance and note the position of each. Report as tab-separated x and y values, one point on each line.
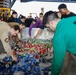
6	33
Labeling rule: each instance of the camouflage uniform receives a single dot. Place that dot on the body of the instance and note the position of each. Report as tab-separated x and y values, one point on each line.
5	38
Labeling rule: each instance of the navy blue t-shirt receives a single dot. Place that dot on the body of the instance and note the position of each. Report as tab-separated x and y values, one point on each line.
42	26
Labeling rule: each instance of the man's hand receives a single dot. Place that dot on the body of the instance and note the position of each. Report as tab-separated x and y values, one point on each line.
35	37
19	44
29	37
39	32
14	58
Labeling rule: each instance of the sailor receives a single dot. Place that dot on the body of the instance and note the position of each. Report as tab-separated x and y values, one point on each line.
6	33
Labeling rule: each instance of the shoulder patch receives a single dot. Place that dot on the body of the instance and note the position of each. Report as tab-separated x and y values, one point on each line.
6	40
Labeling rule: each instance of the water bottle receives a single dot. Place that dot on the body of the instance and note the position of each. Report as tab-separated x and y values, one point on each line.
2	65
33	60
36	73
25	67
19	58
7	66
27	57
37	69
45	73
7	59
1	73
15	68
0	69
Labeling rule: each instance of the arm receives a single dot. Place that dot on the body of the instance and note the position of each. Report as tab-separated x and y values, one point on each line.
39	31
13	23
30	29
59	47
37	22
5	41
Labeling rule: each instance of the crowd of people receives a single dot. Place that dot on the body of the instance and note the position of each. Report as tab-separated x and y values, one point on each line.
62	23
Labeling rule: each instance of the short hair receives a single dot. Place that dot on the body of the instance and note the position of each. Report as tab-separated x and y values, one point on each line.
14	12
62	6
41	14
49	16
22	23
23	17
34	20
16	27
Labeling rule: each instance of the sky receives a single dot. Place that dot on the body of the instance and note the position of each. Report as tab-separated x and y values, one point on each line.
35	7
